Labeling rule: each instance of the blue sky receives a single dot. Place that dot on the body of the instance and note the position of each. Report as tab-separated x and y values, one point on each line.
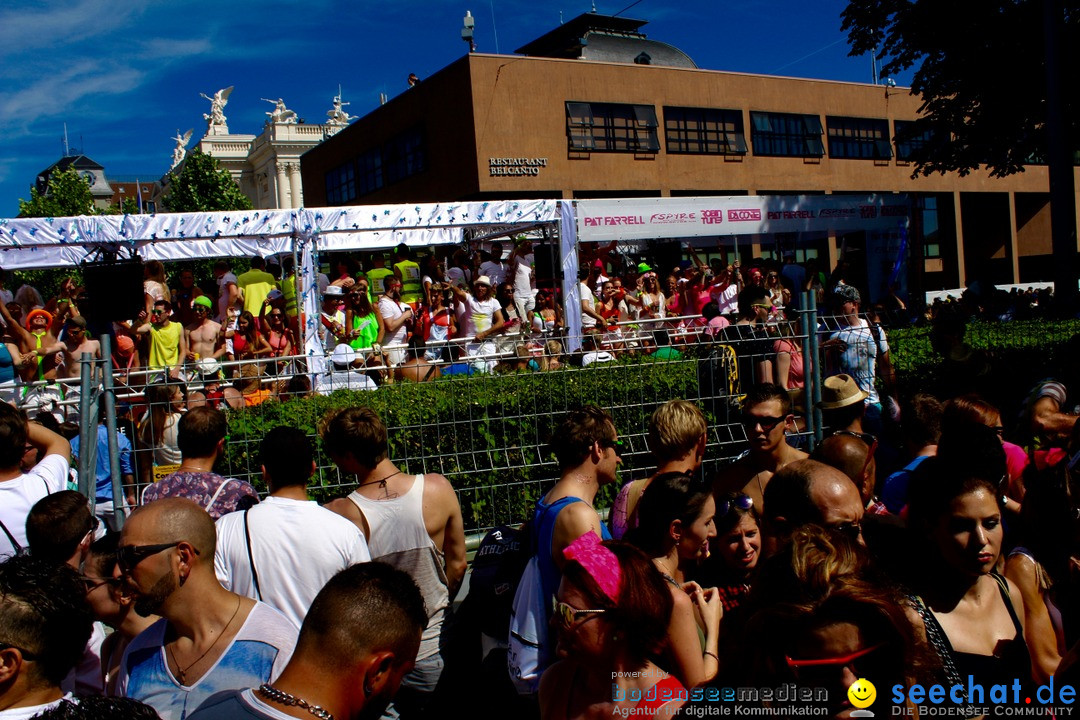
126	76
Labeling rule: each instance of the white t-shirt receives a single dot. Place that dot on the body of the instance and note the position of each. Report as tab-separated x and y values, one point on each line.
296	547
344	380
257	654
494	270
223	294
391	309
726	297
19	494
590	301
479	315
596	357
523	274
6	296
457	276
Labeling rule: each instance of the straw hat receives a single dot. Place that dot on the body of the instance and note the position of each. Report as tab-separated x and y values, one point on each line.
840	391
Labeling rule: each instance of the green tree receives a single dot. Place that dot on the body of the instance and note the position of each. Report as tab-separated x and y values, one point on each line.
995	87
67	195
203	186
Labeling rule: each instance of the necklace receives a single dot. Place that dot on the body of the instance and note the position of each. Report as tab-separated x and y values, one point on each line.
181	672
283	698
381	481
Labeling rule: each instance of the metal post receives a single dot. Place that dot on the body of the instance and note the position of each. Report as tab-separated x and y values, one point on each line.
815	357
809	379
110	425
87	428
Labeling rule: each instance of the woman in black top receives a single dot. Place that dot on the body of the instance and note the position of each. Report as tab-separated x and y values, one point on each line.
973	616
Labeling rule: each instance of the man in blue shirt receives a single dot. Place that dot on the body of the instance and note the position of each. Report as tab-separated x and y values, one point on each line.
103	503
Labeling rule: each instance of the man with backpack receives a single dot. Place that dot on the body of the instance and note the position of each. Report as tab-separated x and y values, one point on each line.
586	445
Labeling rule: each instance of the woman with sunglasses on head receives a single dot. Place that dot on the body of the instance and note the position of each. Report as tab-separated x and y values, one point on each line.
652	299
973	616
735	551
612	612
823	620
675	525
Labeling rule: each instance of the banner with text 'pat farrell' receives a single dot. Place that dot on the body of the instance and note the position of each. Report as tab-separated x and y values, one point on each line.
684	217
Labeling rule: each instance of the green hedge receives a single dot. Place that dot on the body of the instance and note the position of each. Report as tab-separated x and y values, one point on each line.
1023	351
488	434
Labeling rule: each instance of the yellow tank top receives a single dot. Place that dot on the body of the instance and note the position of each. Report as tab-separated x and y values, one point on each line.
411	289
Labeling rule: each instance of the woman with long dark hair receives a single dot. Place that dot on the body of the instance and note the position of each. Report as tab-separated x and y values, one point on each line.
675	525
973	616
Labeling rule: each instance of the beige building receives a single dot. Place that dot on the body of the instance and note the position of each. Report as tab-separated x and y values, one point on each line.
594	109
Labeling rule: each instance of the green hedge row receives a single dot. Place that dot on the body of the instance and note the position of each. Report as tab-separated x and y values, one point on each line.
488	434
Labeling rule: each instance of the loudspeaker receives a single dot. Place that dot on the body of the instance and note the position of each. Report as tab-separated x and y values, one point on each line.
547	266
114	292
663	255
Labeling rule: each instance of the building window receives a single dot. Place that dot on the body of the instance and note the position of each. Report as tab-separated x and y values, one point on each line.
858	138
786	135
611	127
341	185
910	145
704	131
927	207
404	156
369	171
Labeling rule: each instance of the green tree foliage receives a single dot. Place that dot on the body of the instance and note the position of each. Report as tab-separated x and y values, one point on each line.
67	195
980	70
127	206
203	186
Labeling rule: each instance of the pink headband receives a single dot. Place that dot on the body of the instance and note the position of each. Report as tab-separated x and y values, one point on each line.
598	561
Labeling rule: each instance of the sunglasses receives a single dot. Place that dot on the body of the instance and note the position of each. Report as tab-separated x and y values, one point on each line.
610	443
767	423
568	614
92	584
275	316
128	556
740	501
871	445
824	669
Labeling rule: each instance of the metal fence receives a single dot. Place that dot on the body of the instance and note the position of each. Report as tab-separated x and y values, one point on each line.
487	428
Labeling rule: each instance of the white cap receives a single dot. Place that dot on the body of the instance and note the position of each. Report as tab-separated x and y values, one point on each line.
209	367
482	280
343	356
333	290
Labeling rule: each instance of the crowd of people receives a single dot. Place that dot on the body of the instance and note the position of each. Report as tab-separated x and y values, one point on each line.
948	558
925	540
406	318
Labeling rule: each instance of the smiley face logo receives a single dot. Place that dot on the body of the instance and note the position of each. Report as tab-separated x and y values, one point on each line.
862	693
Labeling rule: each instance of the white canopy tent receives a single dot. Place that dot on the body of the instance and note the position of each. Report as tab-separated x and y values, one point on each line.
171	237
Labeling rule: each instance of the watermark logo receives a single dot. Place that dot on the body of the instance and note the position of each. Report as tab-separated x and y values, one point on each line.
862	695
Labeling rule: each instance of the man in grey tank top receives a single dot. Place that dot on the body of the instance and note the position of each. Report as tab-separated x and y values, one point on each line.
412	522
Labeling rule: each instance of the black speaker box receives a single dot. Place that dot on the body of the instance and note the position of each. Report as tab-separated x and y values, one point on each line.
548	268
114	292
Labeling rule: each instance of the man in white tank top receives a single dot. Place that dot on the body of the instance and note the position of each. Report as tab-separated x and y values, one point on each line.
412	522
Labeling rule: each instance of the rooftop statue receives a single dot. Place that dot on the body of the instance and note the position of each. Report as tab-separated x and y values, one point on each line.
337	114
180	151
215	120
280	113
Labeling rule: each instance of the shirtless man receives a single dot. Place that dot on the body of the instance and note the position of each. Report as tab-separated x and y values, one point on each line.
37	338
766	417
204	336
76	342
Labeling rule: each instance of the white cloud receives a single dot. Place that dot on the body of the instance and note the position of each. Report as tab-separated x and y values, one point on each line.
55	93
56	24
